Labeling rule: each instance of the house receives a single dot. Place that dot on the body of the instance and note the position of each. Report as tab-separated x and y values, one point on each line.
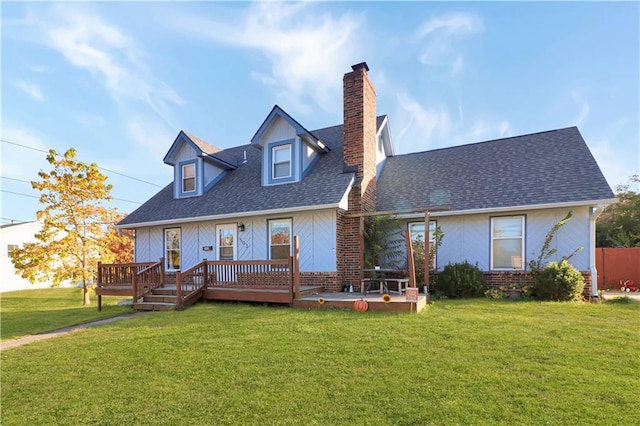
13	236
246	203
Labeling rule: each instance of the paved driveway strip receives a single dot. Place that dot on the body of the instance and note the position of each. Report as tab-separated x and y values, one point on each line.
59	332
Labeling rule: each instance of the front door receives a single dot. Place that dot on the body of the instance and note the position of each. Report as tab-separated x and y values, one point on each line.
226	235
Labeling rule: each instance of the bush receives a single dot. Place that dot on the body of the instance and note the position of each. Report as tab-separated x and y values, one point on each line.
461	280
559	281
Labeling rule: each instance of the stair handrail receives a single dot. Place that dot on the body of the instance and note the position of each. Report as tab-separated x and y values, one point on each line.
180	275
152	276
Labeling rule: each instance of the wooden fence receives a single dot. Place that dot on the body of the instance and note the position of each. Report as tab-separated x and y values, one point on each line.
615	264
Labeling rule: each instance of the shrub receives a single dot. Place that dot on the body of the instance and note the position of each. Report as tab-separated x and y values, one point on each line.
559	281
461	280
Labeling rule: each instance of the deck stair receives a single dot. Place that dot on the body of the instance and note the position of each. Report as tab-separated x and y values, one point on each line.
159	299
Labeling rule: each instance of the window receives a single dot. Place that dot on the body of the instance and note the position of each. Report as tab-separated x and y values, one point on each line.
281	157
189	177
280	238
172	249
11	248
417	237
507	242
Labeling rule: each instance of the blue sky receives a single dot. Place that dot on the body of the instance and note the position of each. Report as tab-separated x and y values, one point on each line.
118	81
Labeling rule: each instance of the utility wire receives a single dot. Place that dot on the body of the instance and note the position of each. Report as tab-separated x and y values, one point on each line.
19	193
101	168
33	196
14	220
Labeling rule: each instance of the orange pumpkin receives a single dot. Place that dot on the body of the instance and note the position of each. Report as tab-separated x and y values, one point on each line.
361	305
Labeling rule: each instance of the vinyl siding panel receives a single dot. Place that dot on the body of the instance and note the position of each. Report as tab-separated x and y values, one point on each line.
469	237
316	231
189	248
142	245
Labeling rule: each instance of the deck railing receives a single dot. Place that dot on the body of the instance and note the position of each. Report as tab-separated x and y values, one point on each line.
148	278
250	274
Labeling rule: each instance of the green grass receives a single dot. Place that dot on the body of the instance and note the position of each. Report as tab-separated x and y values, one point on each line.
35	311
458	362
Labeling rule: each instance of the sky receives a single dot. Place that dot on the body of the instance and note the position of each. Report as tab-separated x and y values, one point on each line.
118	81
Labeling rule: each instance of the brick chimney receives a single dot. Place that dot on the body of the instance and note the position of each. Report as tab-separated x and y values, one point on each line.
359	151
360	136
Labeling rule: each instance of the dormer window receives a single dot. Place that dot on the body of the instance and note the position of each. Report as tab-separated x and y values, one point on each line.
189	177
281	157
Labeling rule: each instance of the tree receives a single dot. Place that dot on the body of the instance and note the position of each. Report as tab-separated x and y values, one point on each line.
619	224
382	240
118	243
75	229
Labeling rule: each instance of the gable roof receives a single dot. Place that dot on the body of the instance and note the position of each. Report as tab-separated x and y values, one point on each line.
203	149
537	169
241	192
308	136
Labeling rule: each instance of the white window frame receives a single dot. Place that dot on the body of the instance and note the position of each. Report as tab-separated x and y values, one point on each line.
272	222
432	242
274	163
184	179
498	238
167	265
233	227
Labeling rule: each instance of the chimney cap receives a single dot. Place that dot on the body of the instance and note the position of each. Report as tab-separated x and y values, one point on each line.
360	65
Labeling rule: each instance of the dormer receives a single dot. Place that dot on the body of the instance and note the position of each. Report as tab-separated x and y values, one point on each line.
196	167
288	149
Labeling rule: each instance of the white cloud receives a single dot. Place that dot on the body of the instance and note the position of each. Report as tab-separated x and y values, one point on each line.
148	133
441	36
89	42
308	50
422	127
417	123
30	89
19	162
584	108
457	24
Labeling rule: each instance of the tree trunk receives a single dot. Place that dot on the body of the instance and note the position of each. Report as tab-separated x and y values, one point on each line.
85	295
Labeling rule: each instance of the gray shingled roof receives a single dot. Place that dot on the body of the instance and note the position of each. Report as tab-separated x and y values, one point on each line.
541	168
240	191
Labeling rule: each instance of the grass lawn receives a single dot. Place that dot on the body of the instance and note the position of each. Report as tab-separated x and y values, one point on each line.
35	311
458	362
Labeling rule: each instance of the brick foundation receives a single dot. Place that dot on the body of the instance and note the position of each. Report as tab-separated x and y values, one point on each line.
328	280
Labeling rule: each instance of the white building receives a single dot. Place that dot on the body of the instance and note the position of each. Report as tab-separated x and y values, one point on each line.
13	236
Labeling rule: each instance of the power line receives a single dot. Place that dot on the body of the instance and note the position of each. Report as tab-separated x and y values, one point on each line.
19	193
101	168
34	196
15	220
14	179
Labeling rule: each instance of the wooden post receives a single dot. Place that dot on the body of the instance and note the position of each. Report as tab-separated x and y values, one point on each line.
179	289
410	262
205	280
134	283
427	267
99	284
296	266
162	272
361	274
